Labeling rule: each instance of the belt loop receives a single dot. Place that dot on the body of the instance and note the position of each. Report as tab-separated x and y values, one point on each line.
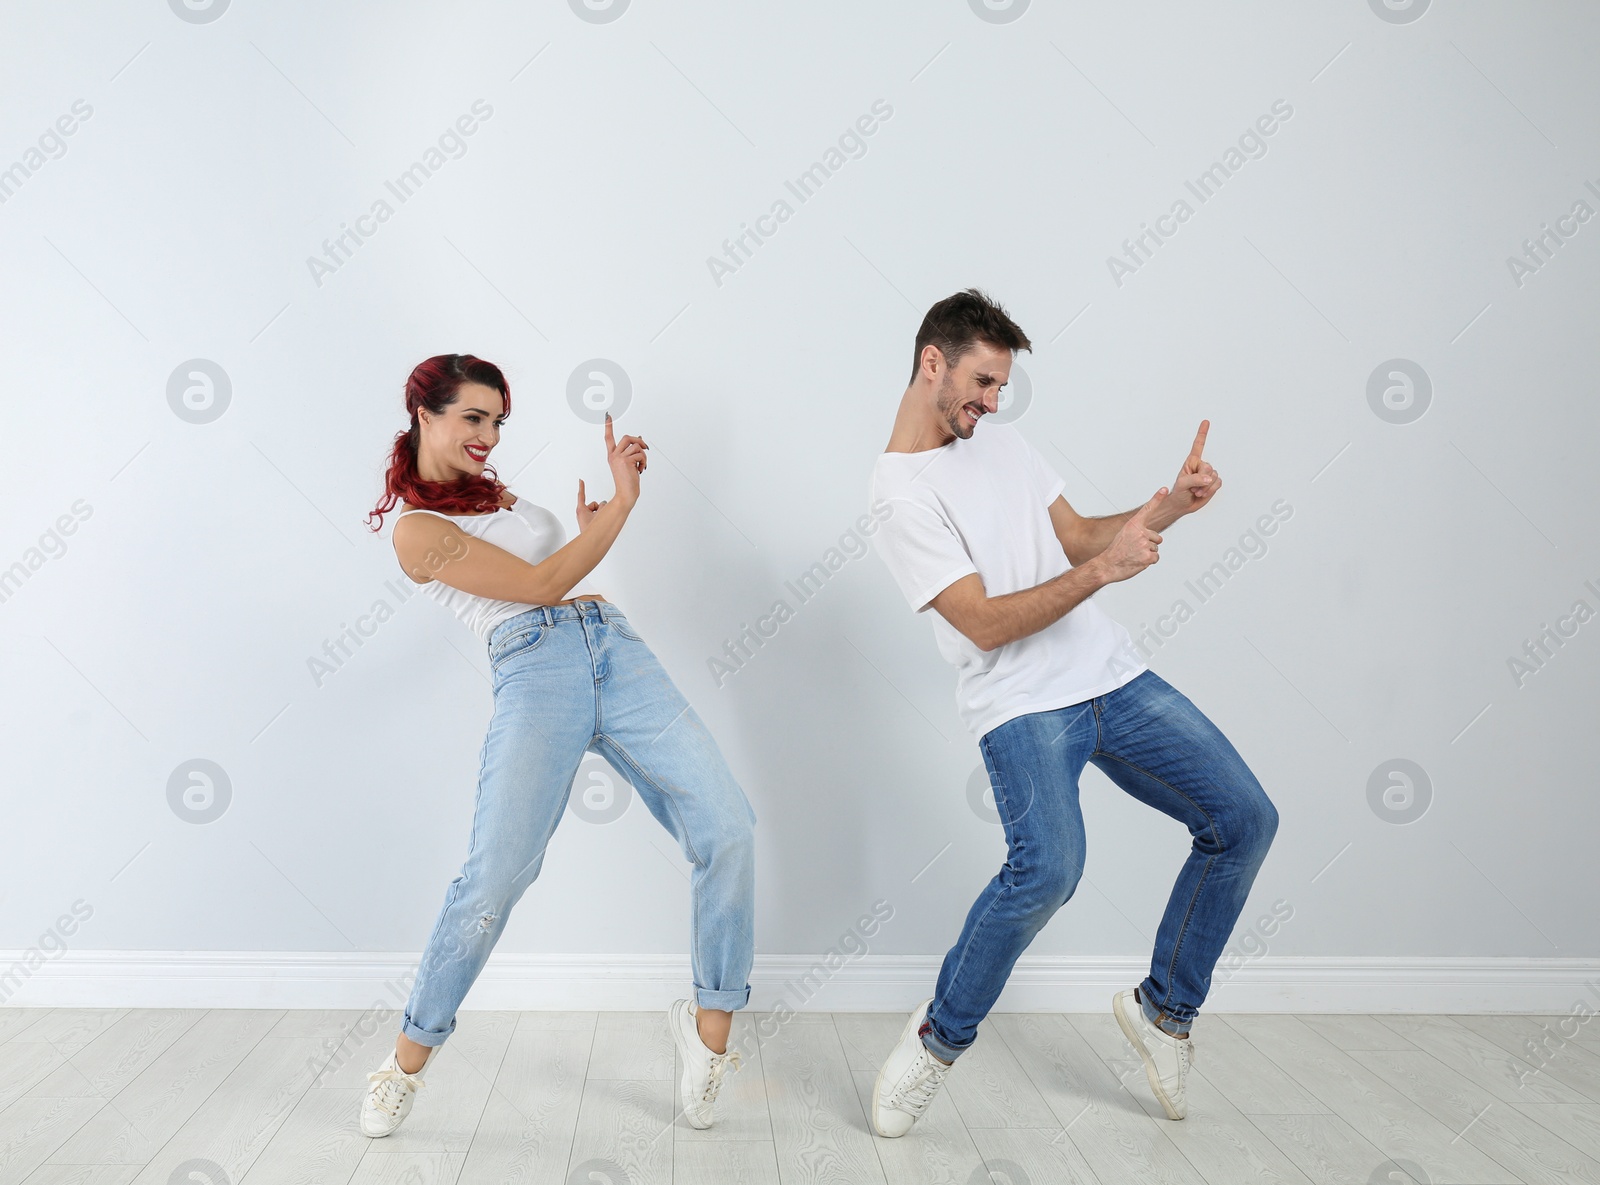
544	611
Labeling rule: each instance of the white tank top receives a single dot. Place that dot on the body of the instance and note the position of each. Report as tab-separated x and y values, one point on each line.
527	531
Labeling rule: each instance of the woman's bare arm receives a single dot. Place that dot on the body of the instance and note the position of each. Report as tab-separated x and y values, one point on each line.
433	548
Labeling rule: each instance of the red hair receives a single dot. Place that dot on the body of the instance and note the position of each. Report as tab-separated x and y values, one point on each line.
434	385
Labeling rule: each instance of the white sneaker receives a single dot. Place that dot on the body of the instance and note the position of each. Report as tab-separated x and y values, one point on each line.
1166	1058
390	1092
703	1069
908	1080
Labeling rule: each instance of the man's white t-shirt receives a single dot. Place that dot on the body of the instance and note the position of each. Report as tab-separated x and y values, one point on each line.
981	505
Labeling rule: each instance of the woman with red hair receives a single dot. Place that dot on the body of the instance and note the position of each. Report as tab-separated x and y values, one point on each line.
570	675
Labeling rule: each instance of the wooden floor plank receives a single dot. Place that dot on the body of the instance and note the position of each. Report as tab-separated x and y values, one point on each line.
316	1022
1512	1139
1352	1031
1324	1147
82	1174
28	1065
15	1021
1447	1095
632	1045
123	1096
157	1101
1549	1049
526	1130
1385	1117
1032	1156
409	1168
818	1129
578	1021
105	1065
1216	1138
867	1037
623	1133
1583	1022
1509	1078
237	1120
318	1144
1248	1078
724	1162
70	1029
1576	1123
1117	1138
32	1129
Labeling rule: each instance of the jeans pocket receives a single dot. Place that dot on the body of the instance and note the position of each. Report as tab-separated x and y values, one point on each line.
518	643
620	623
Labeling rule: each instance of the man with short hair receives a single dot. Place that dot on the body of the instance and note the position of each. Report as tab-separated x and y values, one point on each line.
1047	682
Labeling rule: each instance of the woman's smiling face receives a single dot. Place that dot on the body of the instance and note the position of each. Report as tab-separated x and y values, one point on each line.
459	442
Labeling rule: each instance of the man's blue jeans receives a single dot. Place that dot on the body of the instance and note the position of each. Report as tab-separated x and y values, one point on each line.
1152	742
568	679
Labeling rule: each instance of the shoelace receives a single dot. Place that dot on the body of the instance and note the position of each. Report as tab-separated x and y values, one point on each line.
389	1095
1186	1055
916	1097
720	1064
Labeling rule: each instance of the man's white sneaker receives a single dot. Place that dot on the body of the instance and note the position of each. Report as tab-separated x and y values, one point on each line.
908	1080
703	1069
390	1093
1166	1058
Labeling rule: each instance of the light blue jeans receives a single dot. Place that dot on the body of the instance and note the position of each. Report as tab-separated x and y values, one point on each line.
1154	744
569	679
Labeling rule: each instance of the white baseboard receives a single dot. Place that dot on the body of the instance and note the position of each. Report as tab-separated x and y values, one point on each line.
871	983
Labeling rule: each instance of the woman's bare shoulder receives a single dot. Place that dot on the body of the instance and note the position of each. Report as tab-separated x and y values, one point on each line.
408	546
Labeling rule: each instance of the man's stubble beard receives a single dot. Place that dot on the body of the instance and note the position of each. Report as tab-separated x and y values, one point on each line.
944	401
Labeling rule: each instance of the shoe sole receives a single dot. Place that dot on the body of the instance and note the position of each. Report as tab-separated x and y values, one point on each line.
682	1006
877	1084
1151	1074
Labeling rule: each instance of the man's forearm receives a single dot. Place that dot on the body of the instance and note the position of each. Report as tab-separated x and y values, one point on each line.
1016	615
1096	534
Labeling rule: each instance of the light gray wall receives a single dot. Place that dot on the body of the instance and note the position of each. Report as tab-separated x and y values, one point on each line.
214	559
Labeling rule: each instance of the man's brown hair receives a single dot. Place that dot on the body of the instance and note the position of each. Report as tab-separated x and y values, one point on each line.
958	323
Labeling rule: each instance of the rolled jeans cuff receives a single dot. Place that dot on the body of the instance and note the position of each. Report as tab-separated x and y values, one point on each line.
421	1035
939	1049
728	1000
1162	1020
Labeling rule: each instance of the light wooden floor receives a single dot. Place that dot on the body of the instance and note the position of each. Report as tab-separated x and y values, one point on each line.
106	1097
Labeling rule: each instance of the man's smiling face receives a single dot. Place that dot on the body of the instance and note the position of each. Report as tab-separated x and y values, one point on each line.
970	389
